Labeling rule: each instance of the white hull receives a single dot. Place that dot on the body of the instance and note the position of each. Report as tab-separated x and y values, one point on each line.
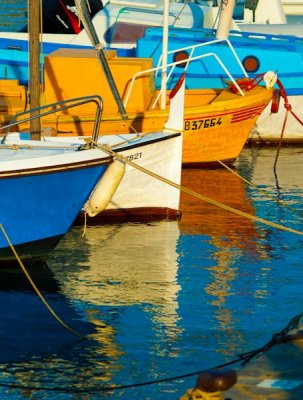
269	126
140	190
159	153
292	7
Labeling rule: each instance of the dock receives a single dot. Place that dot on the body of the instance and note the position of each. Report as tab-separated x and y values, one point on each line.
274	375
272	372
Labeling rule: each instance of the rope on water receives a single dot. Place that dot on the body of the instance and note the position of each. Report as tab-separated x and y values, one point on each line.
258	189
281	337
36	288
198	195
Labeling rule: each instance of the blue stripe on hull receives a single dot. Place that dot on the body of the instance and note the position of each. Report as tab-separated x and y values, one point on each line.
43	207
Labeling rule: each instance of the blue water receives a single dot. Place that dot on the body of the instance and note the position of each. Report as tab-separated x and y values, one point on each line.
13	15
162	300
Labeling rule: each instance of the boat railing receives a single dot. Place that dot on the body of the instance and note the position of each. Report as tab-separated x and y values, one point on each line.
193	48
171	67
53	108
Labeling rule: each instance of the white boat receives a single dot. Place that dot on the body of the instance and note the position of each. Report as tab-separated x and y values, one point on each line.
267	17
140	195
293	7
152	162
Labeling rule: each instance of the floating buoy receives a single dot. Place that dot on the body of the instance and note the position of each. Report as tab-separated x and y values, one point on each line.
275	102
105	189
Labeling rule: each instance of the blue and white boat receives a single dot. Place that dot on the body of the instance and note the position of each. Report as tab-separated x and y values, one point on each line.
247	54
47	183
43	190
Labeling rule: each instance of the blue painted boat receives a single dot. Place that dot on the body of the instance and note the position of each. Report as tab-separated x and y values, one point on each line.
44	189
118	24
248	54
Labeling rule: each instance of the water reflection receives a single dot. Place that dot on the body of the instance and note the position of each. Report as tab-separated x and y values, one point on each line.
141	270
27	327
159	299
230	236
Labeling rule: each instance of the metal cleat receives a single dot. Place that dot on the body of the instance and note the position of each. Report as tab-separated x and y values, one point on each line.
210	384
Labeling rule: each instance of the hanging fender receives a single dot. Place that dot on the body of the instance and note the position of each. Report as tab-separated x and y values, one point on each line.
105	189
275	101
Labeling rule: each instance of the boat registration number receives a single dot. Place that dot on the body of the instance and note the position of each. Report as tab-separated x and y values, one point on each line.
133	157
197	124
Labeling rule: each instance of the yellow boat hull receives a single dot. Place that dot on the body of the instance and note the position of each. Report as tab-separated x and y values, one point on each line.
217	123
212	132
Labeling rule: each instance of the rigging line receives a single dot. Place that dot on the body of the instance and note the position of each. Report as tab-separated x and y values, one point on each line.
180	12
198	195
36	288
259	190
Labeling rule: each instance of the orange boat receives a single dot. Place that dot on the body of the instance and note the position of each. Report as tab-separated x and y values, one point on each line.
217	122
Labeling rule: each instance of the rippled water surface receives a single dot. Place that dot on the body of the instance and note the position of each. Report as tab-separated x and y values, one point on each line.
160	300
13	14
143	304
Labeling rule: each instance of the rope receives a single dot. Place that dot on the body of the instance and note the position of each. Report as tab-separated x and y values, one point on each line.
277	338
258	189
36	288
197	195
244	358
288	108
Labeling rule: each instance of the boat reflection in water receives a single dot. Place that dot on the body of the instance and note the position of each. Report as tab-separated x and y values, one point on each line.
28	329
161	299
113	275
129	273
231	237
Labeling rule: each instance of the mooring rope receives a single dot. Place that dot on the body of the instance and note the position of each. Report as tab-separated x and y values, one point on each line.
197	195
259	189
36	288
281	337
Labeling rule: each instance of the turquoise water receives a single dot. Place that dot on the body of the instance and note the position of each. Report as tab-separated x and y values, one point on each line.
13	15
156	303
161	300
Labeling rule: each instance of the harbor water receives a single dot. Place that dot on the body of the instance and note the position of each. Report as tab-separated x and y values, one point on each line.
144	307
159	302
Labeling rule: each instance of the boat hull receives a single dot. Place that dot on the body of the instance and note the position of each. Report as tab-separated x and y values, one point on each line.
258	53
143	193
140	196
212	132
41	199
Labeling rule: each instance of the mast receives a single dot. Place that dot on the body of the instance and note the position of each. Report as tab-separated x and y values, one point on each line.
164	54
91	32
34	64
226	15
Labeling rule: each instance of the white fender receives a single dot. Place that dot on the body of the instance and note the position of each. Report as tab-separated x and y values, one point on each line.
105	189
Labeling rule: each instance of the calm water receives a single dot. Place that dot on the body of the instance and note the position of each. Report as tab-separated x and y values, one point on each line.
160	300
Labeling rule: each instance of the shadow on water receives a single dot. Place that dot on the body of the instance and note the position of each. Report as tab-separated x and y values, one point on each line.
27	327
